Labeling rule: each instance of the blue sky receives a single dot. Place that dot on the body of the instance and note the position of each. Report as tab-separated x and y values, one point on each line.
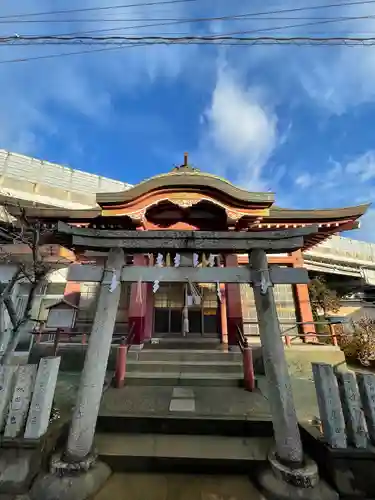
294	120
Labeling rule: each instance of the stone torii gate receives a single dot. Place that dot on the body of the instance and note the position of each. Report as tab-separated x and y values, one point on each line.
288	459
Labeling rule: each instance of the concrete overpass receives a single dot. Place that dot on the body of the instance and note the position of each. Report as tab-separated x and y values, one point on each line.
345	257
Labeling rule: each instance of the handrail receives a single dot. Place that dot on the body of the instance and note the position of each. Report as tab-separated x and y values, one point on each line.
241	339
129	338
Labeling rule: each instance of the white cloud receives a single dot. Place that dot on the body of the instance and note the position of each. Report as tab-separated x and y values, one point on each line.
339	185
363	166
304	180
339	78
238	131
366	231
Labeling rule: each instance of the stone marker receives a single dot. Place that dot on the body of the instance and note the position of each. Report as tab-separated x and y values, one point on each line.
21	400
331	414
7	378
353	414
366	384
41	403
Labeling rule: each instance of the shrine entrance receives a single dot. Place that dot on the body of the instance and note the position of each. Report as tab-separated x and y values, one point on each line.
203	311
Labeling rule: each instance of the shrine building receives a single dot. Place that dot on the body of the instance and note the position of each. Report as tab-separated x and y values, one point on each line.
189	199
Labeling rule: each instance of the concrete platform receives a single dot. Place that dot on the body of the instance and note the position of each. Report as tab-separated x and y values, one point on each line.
210	402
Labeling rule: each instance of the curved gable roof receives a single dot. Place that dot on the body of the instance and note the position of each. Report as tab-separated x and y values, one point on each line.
179	180
327	213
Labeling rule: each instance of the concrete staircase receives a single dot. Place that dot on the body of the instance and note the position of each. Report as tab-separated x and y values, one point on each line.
163	365
185	445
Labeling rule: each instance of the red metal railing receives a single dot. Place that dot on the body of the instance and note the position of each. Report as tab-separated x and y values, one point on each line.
305	336
122	351
247	360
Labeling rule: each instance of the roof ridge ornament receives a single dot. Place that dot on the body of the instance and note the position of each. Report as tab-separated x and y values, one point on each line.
185	168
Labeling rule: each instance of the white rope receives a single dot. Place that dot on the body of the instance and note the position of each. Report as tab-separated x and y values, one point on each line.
114	281
139	296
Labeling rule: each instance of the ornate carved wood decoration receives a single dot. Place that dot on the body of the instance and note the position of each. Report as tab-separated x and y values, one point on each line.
138	210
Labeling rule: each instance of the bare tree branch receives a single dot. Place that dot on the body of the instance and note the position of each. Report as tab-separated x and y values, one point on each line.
32	270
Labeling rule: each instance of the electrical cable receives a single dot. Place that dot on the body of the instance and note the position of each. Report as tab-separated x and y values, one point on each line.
108	7
15	39
233	17
123	6
240	42
223	18
196	20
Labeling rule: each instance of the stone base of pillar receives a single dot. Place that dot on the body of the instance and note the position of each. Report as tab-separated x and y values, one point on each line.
71	486
279	482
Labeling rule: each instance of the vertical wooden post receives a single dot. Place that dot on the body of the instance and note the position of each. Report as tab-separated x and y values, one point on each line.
137	306
56	341
248	368
333	334
287	436
82	429
121	364
287	340
303	305
223	315
234	304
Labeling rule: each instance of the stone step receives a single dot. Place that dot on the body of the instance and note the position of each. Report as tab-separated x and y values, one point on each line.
218	367
185	343
258	425
183	379
192	453
184	355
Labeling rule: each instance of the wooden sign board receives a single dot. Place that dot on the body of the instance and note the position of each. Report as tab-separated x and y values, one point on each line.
60	317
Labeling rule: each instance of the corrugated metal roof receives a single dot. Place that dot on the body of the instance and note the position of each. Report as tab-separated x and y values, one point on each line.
21	167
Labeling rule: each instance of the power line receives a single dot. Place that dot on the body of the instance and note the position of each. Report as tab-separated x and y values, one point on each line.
313	22
196	20
84	37
224	41
87	9
164	2
235	17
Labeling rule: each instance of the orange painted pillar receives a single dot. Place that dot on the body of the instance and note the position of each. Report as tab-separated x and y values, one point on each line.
223	315
137	306
149	312
120	365
72	292
303	305
233	303
248	369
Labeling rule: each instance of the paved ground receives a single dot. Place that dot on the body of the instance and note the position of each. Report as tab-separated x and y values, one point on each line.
177	487
205	401
209	401
198	401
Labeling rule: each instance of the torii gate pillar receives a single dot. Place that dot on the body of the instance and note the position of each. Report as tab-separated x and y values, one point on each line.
82	429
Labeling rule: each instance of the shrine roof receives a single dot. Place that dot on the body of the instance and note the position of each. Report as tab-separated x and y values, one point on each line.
355	212
190	178
275	214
